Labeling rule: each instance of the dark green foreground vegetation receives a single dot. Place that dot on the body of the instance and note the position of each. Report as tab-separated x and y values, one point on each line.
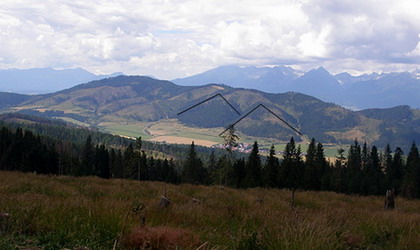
54	212
80	152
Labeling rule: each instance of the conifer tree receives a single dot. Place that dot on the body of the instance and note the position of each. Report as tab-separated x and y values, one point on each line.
129	167
396	172
193	170
253	168
386	165
87	160
238	173
271	169
310	180
411	181
354	164
292	165
339	171
322	168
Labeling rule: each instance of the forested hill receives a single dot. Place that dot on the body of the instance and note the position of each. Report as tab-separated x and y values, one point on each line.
138	98
12	99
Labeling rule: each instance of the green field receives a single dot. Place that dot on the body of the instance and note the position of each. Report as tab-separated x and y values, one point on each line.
50	212
172	128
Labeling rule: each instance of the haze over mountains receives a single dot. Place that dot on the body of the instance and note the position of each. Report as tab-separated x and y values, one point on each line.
44	80
137	98
357	92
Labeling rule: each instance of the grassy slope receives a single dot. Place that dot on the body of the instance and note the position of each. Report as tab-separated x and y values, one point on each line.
56	212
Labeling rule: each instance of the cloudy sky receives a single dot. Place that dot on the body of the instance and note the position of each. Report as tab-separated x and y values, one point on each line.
176	38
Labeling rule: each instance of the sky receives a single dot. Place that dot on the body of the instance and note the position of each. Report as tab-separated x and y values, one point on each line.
170	39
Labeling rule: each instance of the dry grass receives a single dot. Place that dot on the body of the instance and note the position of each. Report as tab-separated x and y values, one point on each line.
160	238
52	212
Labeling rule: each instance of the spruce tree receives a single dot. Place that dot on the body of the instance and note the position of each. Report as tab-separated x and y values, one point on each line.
87	158
411	181
386	165
193	170
271	169
292	165
354	164
238	173
322	168
310	180
253	168
396	172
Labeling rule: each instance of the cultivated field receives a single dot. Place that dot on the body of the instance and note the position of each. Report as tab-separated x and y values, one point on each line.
171	131
50	212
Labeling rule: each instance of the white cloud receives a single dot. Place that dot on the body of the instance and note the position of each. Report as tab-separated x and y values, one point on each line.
175	38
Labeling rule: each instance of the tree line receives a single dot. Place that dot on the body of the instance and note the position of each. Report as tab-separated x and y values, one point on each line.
364	170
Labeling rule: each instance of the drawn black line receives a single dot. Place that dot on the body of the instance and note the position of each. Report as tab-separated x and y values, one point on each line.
218	94
261	105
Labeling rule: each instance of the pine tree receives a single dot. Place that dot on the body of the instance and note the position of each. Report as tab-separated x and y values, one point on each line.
102	163
138	153
386	165
322	168
129	166
310	180
371	174
253	168
339	171
87	158
354	165
411	181
238	173
291	167
396	172
271	169
193	170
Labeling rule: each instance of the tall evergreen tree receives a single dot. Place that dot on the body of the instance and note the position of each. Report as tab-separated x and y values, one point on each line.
87	158
386	165
102	163
310	180
411	181
193	170
130	163
354	165
292	166
339	171
396	170
271	169
322	168
253	168
238	173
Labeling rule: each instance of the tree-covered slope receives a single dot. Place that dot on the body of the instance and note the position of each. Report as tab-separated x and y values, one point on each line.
137	98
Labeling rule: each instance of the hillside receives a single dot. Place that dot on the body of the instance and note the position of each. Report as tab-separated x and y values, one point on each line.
133	99
12	99
55	212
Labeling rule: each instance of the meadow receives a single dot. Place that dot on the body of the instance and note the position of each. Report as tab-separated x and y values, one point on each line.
55	212
172	131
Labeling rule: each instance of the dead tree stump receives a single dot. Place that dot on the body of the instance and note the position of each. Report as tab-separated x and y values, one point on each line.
390	199
164	202
4	221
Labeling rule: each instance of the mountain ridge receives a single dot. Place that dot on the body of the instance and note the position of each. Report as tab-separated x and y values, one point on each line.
373	90
139	98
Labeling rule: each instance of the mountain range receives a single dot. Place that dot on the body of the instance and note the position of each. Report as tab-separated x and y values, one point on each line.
44	80
139	98
357	92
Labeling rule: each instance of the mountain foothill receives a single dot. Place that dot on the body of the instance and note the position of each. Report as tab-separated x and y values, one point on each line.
139	98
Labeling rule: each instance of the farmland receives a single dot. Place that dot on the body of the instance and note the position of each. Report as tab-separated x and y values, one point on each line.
52	212
172	131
